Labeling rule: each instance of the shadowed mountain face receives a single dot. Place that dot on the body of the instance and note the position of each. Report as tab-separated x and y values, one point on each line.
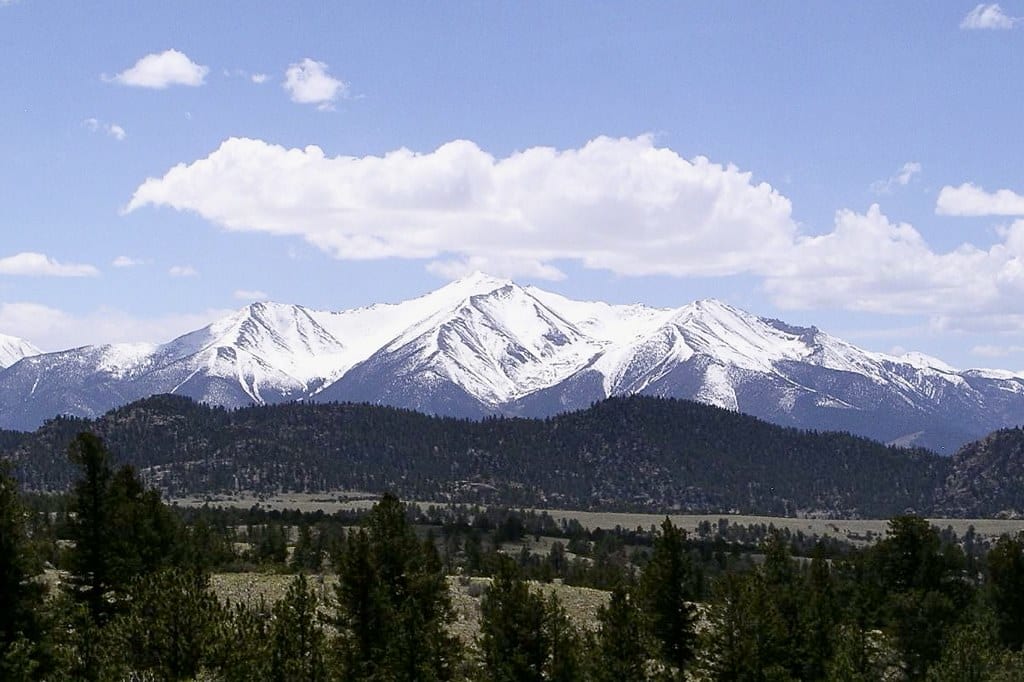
483	346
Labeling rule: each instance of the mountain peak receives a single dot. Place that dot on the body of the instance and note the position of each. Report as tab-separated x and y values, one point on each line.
478	283
13	349
483	344
922	361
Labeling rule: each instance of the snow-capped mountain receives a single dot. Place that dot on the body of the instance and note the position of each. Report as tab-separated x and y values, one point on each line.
13	349
483	345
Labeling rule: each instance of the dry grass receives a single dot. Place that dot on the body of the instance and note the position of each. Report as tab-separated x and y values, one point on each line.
853	530
581	603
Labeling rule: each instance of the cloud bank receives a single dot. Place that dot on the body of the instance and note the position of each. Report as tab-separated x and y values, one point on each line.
618	204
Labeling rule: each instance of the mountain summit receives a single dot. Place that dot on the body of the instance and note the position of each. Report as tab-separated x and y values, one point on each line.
13	349
484	346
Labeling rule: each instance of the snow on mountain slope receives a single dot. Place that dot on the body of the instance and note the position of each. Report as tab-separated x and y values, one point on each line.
497	343
265	352
13	349
484	345
612	323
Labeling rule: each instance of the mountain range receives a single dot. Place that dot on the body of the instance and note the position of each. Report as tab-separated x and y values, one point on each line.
484	346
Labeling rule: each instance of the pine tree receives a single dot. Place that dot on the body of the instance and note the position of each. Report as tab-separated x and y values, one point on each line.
359	611
1005	590
393	603
94	556
243	645
621	650
120	530
169	627
668	585
969	657
565	662
306	556
513	642
818	615
21	597
298	640
923	593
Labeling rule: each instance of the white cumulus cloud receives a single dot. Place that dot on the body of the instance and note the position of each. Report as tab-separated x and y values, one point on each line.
308	82
29	263
988	17
182	271
258	78
623	205
159	71
970	200
869	263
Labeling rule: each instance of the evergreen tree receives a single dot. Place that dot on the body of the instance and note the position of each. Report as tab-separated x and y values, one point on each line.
21	597
243	650
1005	590
565	663
668	585
207	547
513	642
923	593
120	530
747	637
359	613
270	543
818	617
306	557
169	627
93	558
393	603
968	657
781	591
298	640
621	649
147	537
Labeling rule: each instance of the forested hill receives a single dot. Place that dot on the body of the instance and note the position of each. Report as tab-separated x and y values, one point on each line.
624	453
987	477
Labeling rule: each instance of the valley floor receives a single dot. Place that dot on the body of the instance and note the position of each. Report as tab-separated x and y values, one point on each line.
855	531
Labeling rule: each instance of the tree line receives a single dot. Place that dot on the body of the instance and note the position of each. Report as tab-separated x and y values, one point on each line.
135	600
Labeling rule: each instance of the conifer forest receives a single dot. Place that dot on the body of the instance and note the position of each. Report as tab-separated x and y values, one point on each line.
109	582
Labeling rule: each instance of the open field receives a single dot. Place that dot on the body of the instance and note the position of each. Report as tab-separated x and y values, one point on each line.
853	530
581	603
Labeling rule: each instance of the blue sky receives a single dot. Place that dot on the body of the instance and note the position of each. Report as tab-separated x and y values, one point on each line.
851	165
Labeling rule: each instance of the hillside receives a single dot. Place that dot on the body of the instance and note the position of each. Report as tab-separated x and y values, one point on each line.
986	477
636	453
